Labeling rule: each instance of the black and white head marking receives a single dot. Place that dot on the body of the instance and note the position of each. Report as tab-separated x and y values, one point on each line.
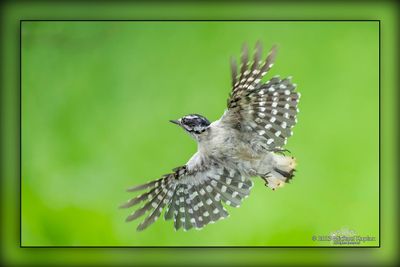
193	123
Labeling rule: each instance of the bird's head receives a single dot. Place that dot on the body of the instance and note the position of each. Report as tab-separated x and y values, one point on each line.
194	124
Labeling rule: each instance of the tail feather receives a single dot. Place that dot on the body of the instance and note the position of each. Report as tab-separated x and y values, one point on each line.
282	172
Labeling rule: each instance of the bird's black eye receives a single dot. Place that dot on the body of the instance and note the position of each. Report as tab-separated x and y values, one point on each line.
185	121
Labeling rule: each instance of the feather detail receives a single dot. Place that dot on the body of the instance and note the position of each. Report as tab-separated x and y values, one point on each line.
191	198
269	110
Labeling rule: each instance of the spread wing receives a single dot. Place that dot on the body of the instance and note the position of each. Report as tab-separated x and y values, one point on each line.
191	198
267	110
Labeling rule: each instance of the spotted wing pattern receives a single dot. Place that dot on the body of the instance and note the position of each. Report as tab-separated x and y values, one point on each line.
192	199
266	109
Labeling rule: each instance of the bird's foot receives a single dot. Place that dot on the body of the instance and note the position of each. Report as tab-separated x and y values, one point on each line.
280	151
265	178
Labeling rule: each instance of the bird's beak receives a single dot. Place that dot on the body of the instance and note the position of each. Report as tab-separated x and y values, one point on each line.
175	122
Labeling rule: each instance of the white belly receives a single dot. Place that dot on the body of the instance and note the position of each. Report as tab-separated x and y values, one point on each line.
222	144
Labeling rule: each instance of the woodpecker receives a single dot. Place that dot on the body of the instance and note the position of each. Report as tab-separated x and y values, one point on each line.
247	141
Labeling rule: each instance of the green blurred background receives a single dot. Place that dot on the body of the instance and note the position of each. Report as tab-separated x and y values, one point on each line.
97	97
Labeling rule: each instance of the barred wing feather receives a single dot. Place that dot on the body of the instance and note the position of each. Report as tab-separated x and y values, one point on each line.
192	199
266	109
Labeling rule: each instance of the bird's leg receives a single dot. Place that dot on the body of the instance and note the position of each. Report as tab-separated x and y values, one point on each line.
280	151
265	177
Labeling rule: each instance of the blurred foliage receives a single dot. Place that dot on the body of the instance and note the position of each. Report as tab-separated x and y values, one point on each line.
97	97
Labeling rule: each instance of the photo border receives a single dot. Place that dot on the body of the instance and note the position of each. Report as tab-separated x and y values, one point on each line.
194	20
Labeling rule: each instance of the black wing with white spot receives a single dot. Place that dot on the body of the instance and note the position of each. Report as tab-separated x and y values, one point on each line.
191	199
266	109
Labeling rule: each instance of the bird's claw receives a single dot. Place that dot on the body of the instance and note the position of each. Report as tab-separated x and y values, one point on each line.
281	151
264	177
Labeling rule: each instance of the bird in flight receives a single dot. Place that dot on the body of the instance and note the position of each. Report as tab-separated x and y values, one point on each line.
246	141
